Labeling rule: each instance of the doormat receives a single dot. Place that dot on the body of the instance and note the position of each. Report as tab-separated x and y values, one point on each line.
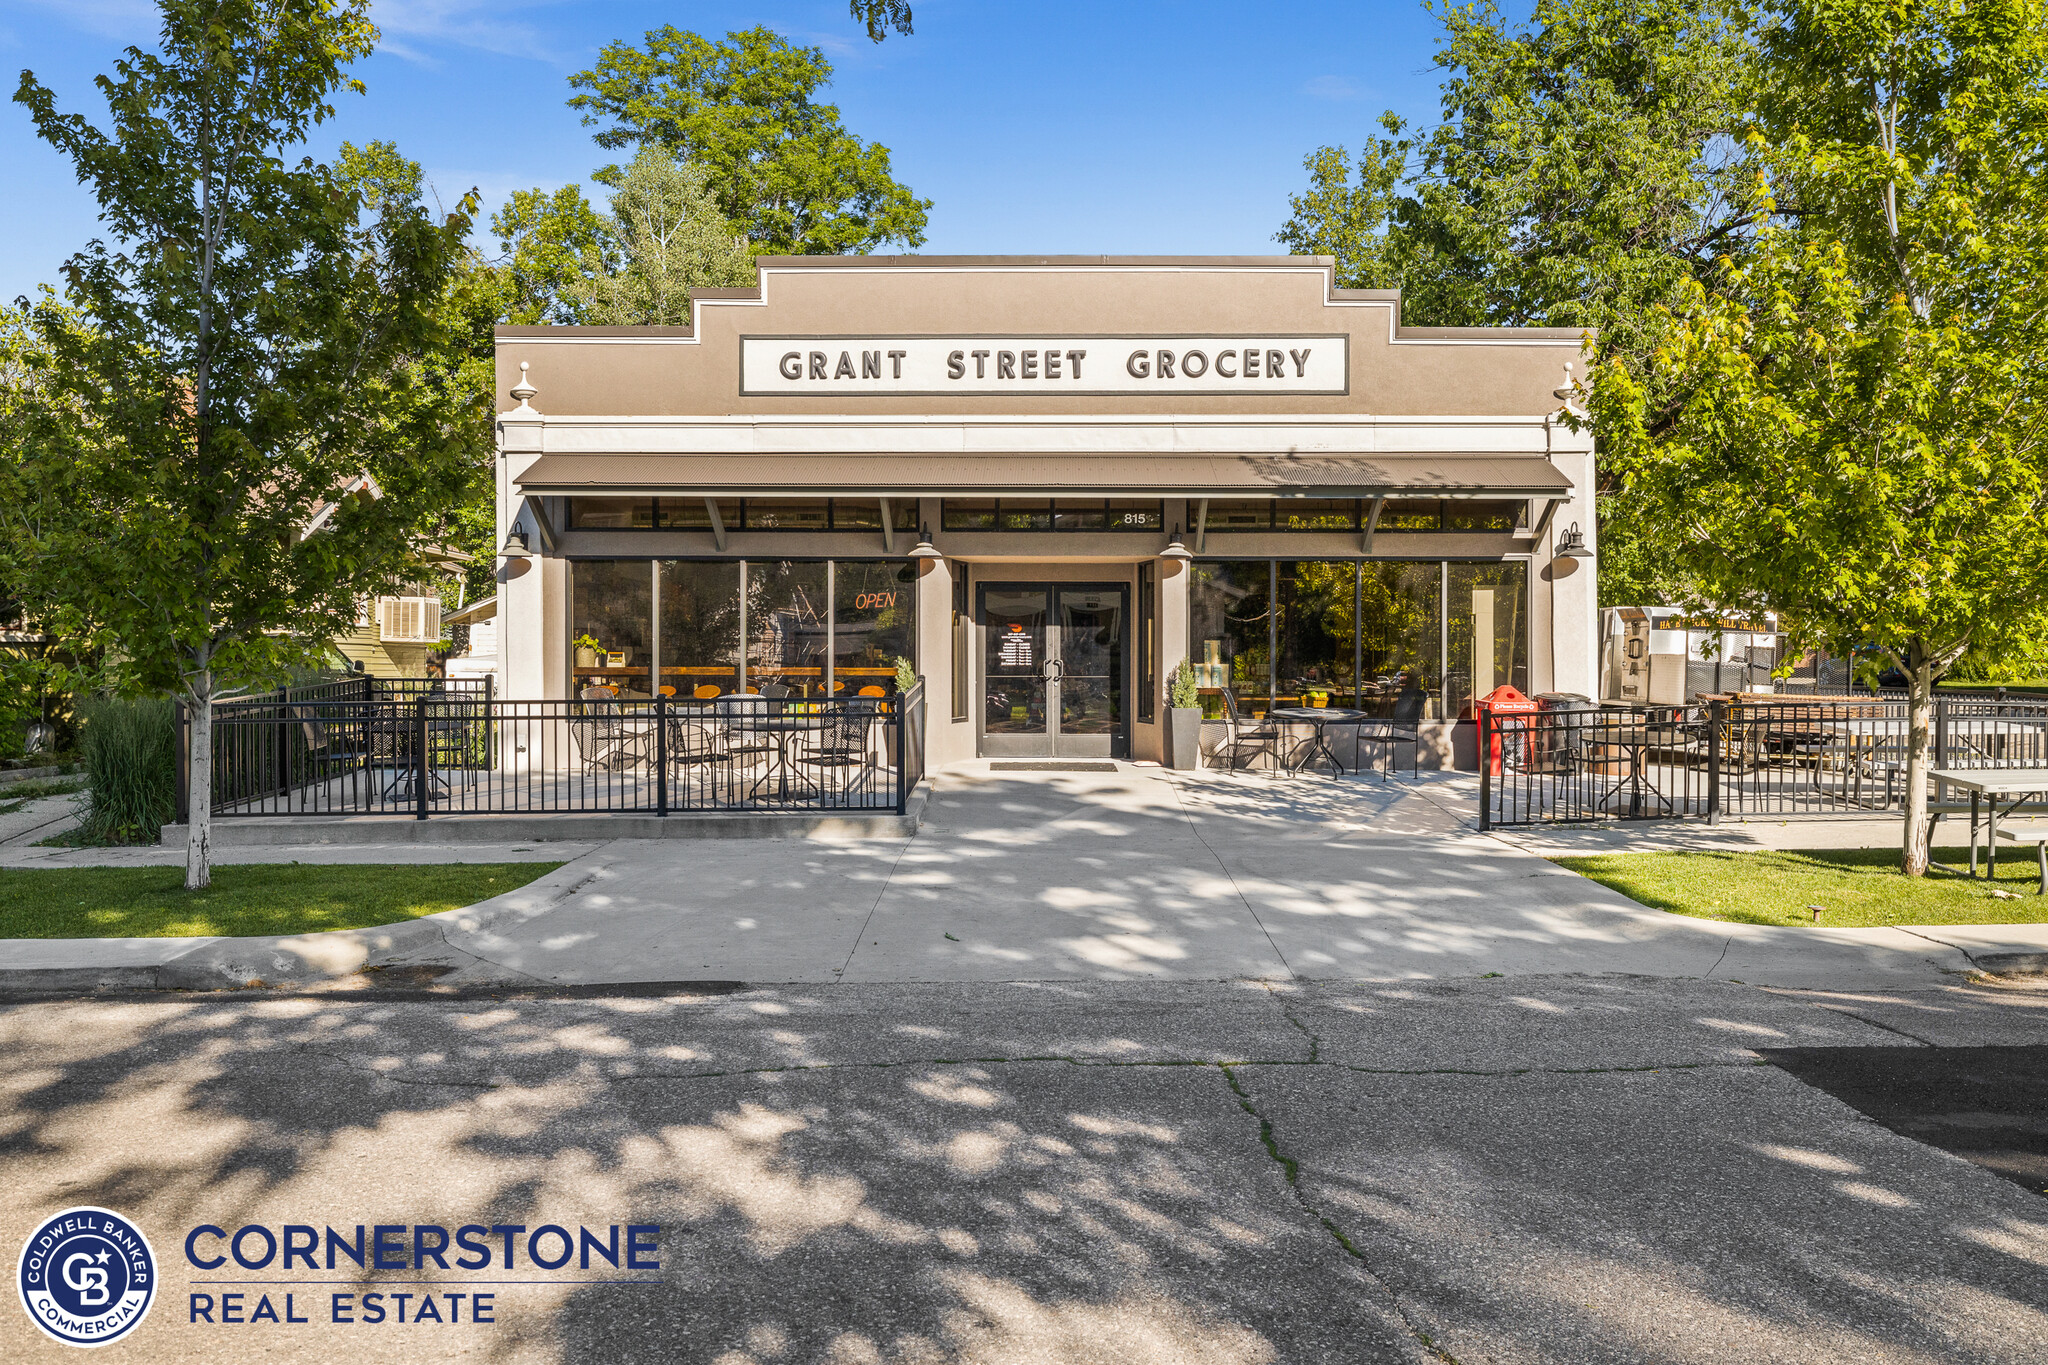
1052	767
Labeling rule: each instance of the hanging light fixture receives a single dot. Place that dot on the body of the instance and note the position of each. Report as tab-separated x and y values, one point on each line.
1174	549
515	546
1572	544
924	548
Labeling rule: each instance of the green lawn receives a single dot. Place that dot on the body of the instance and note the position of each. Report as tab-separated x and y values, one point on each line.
1855	888
289	898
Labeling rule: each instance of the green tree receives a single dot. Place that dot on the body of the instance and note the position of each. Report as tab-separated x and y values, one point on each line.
248	344
663	237
549	242
781	166
1587	167
1851	428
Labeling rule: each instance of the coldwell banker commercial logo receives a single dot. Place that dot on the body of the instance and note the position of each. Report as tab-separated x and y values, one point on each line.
87	1276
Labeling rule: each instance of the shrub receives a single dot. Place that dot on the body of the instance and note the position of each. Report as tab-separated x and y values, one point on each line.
906	674
130	747
1181	691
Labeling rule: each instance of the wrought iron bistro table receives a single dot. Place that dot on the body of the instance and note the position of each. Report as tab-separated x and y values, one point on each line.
781	727
1321	717
2020	784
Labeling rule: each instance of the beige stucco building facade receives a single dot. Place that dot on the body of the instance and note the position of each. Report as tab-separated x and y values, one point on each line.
1046	482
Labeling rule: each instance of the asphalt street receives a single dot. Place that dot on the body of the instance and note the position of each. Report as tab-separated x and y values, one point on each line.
1532	1168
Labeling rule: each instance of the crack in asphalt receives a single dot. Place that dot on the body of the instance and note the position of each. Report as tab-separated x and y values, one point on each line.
1292	1169
1315	1042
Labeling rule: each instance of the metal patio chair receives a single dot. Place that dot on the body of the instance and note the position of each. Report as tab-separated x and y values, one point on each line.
1241	736
607	739
1403	726
698	753
842	748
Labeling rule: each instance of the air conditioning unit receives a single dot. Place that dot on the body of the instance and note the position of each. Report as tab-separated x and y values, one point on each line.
409	620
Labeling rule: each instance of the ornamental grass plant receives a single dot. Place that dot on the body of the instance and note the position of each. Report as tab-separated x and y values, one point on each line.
129	745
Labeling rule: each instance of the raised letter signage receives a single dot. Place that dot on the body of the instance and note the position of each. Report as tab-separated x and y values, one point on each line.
1043	366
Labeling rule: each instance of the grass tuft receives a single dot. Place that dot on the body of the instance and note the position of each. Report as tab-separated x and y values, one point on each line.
1854	888
245	899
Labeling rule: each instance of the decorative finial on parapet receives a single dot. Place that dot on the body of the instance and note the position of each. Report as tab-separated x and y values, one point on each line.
1571	395
524	390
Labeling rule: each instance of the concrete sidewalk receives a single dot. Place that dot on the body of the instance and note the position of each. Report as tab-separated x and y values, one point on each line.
1139	874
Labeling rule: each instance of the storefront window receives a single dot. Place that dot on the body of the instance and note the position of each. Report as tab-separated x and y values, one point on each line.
788	514
611	514
1375	633
1315	514
1400	636
1486	631
609	620
1411	514
700	627
1243	514
1040	514
874	622
693	514
1318	615
1463	515
1148	638
1230	606
787	602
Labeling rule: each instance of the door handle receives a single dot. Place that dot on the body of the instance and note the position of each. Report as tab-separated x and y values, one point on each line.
1053	671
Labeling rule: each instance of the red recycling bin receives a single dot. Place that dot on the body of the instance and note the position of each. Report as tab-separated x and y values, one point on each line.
1504	700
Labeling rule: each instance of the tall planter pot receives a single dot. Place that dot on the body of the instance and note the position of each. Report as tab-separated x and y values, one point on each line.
1184	737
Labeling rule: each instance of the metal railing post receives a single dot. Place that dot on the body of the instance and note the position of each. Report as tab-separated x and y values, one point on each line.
1714	717
1485	714
419	764
660	754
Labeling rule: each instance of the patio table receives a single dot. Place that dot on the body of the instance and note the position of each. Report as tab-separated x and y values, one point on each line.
1321	717
780	728
1987	785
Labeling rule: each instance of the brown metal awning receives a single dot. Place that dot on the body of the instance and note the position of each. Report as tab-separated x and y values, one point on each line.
1205	476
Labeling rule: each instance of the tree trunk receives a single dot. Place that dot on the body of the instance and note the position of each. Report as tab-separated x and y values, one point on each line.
1919	748
199	815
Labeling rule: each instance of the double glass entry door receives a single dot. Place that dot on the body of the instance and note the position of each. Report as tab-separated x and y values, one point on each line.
1053	669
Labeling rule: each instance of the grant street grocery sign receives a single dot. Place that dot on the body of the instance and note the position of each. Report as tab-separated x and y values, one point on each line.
1044	366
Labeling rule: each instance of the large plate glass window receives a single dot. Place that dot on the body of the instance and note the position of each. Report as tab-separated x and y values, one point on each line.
609	619
700	627
1318	617
787	603
1400	634
874	622
1485	620
1231	618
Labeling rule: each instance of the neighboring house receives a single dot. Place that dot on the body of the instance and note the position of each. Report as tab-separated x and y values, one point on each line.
475	632
394	636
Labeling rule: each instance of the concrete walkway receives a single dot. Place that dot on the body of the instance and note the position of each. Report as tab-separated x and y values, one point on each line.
1140	874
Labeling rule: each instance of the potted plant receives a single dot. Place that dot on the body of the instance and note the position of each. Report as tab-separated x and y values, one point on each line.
1183	718
587	651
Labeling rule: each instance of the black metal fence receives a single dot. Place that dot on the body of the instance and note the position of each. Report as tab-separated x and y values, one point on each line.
466	752
1837	756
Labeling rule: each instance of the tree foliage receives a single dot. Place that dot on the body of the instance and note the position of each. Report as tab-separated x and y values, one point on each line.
250	337
662	237
780	164
1850	427
1588	166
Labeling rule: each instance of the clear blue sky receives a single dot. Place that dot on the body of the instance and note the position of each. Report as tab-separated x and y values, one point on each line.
1119	127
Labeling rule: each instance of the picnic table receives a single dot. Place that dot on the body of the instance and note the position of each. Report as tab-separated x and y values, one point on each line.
1988	786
